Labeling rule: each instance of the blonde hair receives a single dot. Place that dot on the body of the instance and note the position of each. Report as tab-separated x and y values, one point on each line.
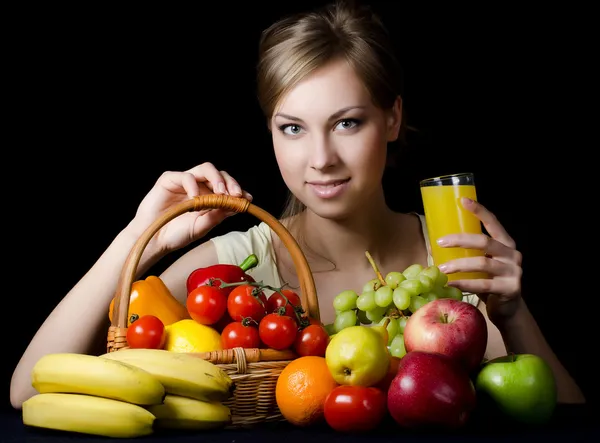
295	46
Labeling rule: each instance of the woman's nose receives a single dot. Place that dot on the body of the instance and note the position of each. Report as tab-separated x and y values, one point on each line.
323	153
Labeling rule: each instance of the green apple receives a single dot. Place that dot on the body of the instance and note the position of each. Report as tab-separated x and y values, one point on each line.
522	386
358	355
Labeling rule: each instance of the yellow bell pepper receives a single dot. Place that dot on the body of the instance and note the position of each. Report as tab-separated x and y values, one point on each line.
152	297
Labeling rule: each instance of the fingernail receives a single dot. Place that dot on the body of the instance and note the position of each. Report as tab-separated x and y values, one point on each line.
237	190
443	268
221	188
467	201
442	241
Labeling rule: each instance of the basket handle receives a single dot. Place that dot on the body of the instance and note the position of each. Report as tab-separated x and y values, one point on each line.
118	329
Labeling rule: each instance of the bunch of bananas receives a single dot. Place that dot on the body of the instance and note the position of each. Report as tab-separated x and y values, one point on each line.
128	393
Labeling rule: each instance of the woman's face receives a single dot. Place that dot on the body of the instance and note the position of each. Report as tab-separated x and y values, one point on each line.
330	141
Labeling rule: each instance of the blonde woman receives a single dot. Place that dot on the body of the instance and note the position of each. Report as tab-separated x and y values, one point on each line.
328	87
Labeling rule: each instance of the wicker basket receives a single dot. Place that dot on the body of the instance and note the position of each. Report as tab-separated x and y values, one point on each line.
254	371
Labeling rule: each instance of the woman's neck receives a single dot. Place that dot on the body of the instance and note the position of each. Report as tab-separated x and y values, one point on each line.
344	242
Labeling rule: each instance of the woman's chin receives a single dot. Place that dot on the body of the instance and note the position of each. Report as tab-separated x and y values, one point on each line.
339	210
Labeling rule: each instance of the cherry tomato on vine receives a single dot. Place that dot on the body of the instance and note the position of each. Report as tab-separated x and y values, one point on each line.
146	332
240	334
355	408
206	304
278	331
277	300
305	321
311	340
246	301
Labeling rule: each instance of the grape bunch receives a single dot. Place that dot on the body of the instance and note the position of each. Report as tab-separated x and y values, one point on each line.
396	297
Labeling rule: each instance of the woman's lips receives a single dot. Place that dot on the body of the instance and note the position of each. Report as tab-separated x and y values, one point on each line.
330	188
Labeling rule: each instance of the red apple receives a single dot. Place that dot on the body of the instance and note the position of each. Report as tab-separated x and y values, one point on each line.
450	327
431	391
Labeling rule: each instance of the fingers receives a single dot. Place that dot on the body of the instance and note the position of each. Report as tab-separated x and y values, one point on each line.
489	221
482	242
220	182
478	264
190	185
231	185
500	285
474	286
209	175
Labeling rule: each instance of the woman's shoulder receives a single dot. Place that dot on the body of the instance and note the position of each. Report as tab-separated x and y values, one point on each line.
235	246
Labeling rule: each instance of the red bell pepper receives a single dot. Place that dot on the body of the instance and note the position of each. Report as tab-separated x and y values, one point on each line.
213	275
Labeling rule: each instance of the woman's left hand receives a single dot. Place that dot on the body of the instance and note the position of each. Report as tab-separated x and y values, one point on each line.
501	291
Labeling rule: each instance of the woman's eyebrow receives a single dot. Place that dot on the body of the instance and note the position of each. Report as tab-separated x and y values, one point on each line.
336	114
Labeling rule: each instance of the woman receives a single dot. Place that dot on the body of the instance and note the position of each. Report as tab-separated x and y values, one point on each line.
327	84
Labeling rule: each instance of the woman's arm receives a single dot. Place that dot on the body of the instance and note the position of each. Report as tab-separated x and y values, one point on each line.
64	330
88	299
520	334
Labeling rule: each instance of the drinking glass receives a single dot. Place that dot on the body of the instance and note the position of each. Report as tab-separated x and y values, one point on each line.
444	214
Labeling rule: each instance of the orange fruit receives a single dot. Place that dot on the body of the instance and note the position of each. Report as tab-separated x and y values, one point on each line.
302	388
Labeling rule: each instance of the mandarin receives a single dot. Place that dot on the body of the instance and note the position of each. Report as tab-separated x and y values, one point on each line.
302	388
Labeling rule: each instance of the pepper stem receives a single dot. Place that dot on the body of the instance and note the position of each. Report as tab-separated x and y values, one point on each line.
250	262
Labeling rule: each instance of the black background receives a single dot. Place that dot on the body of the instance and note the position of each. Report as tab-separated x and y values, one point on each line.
104	98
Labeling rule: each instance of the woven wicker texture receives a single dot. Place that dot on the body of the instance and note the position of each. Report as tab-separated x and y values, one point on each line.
254	371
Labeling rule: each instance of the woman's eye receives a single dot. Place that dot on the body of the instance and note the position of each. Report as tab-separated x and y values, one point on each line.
291	129
347	124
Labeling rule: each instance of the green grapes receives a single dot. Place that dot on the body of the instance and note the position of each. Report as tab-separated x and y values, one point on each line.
366	301
401	298
383	296
396	347
345	301
412	271
394	297
416	301
375	315
344	320
412	285
394	278
452	292
371	285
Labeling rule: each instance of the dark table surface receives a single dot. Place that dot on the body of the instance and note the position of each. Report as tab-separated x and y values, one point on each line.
571	424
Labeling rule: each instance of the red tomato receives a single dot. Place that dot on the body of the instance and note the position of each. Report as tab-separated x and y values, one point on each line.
278	331
310	321
146	332
207	304
355	408
246	301
224	321
276	301
239	334
311	340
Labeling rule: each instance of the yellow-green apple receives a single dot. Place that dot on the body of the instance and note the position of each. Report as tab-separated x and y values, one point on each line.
358	356
431	391
521	386
450	327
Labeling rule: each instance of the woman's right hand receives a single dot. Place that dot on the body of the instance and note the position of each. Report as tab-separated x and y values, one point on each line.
175	187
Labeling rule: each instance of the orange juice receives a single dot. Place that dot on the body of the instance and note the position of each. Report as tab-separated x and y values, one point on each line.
444	214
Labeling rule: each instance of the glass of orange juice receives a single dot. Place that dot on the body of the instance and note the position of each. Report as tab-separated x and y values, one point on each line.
445	214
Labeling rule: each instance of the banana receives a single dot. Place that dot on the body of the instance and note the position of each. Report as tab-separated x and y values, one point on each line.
178	412
91	375
180	373
87	415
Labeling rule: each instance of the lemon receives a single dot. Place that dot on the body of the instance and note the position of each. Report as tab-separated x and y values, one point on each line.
190	336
